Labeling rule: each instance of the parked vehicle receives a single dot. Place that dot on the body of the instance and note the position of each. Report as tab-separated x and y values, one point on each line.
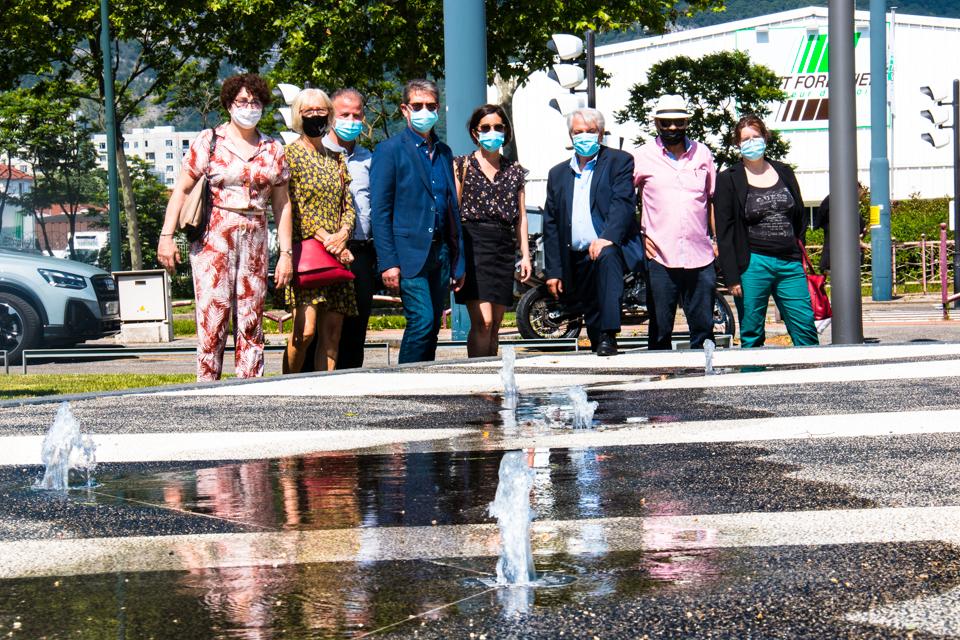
49	302
539	315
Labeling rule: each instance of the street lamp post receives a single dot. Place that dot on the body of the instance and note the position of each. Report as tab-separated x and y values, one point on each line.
844	205
465	89
110	123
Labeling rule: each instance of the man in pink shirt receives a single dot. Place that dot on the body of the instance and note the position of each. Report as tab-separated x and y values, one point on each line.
675	177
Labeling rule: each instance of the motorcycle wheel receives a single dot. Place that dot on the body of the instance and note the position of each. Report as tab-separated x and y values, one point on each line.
723	322
539	316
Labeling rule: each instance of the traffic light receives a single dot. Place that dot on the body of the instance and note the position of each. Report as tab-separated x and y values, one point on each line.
939	115
569	76
284	115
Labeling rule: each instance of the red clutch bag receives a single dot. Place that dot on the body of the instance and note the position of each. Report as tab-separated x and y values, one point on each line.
313	266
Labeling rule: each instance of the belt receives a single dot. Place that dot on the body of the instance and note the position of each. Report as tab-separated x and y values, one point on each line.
244	212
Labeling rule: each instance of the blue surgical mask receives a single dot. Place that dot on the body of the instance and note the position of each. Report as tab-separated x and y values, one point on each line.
348	130
423	120
753	148
491	140
586	144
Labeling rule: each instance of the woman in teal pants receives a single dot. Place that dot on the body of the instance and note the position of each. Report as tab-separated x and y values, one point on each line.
758	211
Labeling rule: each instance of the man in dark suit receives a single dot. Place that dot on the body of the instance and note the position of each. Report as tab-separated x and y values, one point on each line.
590	232
416	220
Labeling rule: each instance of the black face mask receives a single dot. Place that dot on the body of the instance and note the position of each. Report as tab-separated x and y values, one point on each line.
315	126
672	136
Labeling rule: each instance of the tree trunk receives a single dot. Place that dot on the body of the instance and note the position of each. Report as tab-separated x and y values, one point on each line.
506	89
129	208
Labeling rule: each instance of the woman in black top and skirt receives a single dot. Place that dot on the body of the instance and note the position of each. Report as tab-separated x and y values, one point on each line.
494	225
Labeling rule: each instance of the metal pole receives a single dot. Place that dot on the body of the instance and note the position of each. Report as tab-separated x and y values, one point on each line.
465	73
879	163
110	123
591	69
956	190
844	209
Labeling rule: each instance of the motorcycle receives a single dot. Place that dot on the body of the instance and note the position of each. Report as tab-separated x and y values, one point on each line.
539	315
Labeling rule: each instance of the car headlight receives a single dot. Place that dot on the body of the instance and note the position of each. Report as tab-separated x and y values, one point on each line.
63	279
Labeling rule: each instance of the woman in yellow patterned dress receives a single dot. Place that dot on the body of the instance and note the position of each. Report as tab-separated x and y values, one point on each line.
322	209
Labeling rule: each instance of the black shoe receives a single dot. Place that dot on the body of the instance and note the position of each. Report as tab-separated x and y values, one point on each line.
594	337
608	344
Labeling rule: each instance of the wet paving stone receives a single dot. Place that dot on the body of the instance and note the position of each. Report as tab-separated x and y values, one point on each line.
346	490
763	592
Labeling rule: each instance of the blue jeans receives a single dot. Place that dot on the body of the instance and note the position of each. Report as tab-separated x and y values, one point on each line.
424	296
693	289
786	281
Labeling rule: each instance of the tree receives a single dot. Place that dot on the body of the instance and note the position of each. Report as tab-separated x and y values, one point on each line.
58	43
152	196
375	45
719	87
51	134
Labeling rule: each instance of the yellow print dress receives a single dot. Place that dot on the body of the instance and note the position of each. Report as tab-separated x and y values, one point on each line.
320	195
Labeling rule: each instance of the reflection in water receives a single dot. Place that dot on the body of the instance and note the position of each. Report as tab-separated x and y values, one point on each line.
345	490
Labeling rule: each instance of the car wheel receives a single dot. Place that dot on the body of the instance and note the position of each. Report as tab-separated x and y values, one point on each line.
19	326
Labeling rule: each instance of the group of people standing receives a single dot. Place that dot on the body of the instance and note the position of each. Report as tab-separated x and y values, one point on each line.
748	218
423	223
393	217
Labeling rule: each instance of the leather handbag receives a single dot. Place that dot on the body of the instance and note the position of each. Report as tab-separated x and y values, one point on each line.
817	285
195	210
313	265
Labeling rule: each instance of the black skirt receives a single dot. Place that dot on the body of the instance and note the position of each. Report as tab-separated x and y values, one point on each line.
490	255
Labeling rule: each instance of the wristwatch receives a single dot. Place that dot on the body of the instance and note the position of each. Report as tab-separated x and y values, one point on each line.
289	252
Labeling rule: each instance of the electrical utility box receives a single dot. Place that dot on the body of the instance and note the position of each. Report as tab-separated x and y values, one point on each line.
146	311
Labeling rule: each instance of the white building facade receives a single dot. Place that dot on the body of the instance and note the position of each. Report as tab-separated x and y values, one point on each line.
160	147
794	44
16	223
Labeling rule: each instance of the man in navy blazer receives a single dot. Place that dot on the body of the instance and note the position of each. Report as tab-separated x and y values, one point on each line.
416	220
590	231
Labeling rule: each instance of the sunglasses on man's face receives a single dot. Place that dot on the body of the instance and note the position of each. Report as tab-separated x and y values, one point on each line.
484	128
417	106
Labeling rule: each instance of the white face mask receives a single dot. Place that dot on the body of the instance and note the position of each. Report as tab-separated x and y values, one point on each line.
245	118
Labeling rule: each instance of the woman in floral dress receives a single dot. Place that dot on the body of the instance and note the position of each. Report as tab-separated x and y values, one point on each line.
322	209
247	173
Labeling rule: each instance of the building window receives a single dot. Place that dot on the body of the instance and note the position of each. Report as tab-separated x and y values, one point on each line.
169	155
126	145
151	155
136	144
103	145
186	144
168	143
168	181
169	168
146	143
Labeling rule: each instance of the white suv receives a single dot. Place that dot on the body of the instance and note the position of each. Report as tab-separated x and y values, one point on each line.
51	302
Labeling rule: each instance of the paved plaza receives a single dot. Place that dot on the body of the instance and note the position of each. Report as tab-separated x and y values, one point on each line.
799	493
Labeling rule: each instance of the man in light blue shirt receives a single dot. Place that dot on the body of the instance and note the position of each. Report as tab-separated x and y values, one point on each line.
590	231
582	232
342	138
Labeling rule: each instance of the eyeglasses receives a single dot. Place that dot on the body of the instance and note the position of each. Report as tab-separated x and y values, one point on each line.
430	106
484	128
248	104
314	112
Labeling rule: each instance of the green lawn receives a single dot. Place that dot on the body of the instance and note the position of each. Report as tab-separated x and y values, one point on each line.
46	384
